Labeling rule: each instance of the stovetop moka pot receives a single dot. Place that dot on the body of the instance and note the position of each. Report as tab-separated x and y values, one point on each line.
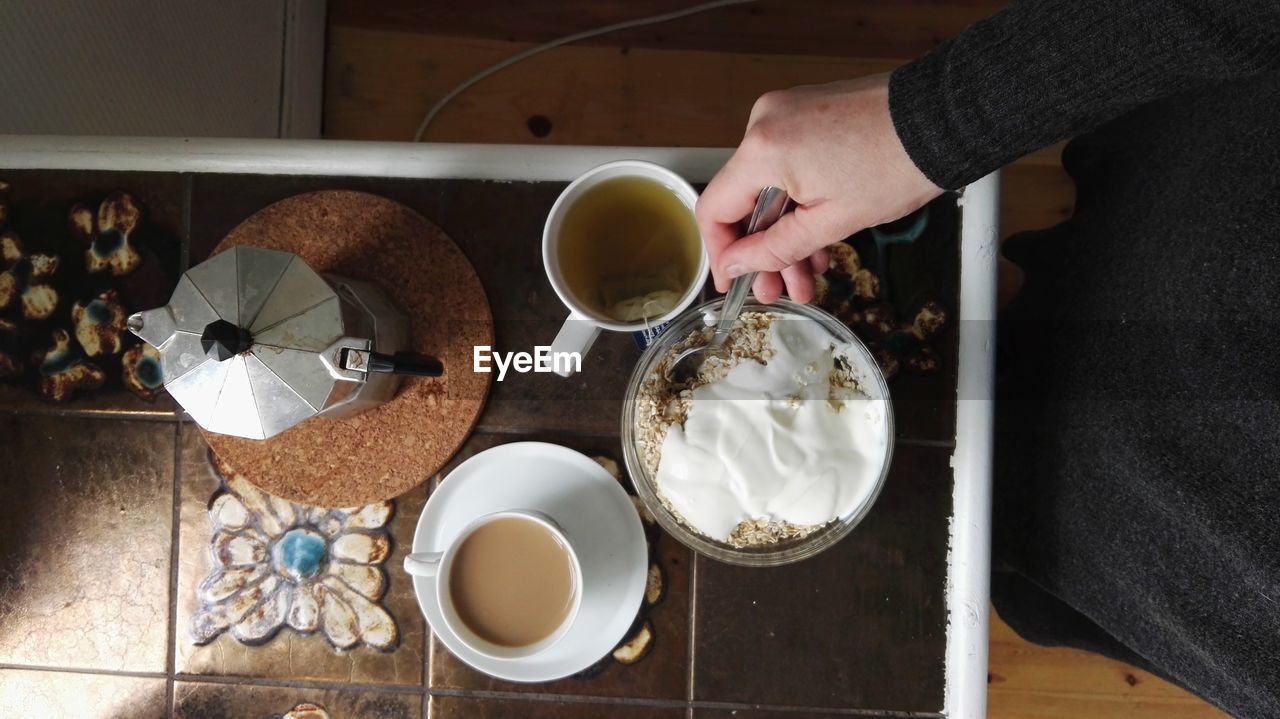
254	341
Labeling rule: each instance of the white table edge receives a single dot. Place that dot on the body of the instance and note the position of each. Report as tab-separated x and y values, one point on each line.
969	554
968	557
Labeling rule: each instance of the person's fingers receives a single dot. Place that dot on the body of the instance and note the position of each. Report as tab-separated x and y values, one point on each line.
717	237
820	260
731	194
799	281
793	238
767	287
727	199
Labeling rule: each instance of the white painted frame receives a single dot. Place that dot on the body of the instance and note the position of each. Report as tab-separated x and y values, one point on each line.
969	553
969	556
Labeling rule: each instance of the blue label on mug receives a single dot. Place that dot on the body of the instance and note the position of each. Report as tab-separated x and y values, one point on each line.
646	336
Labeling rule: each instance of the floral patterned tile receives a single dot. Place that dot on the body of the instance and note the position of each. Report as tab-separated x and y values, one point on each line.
84	575
652	660
80	252
268	588
453	707
203	700
26	693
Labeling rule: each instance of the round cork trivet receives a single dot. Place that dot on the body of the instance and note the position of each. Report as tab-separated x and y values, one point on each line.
387	450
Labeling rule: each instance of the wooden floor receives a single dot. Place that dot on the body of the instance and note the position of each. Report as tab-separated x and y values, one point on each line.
691	82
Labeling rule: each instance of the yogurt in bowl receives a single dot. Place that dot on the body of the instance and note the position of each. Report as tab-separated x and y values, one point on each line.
777	450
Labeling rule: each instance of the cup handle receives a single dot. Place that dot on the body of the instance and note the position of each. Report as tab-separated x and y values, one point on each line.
576	335
423	564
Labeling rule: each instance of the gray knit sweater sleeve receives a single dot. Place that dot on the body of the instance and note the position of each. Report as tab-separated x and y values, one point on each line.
1041	71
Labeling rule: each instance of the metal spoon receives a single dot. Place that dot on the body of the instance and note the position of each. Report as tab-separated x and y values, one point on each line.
681	371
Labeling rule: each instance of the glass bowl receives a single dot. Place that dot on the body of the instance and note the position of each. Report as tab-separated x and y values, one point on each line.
871	381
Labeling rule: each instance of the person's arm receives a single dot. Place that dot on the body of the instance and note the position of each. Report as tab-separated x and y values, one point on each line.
859	153
1041	71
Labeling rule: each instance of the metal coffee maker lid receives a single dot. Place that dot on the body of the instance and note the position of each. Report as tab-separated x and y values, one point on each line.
254	341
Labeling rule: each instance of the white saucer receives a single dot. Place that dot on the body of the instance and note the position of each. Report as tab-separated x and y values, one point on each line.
592	508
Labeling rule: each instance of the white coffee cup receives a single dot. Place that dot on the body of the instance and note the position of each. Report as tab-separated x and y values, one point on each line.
582	327
439	566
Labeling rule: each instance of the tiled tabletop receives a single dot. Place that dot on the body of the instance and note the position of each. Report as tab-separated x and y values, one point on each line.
108	534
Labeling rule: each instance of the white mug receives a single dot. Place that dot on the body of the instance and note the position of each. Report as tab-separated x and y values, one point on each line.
582	327
439	566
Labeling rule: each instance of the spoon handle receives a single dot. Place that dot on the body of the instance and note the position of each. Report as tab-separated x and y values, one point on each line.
770	205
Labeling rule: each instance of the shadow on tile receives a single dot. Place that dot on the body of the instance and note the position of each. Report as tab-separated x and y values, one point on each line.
84	577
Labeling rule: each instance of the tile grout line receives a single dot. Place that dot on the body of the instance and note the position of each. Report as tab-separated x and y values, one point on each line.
506	430
83	670
430	636
108	414
245	680
171	659
174	531
693	628
478	694
840	711
559	698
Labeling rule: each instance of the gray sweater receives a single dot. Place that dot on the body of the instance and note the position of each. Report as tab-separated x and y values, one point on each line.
1138	399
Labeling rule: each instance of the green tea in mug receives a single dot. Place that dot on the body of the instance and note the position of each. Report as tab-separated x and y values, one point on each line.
629	249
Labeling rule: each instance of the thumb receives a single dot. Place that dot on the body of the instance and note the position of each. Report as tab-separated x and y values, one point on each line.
791	239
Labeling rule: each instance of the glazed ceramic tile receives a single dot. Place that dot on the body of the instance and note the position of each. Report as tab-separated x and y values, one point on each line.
278	564
81	251
652	660
84	575
496	708
860	626
25	693
203	700
267	588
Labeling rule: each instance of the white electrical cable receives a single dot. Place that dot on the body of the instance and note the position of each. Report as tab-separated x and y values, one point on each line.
652	20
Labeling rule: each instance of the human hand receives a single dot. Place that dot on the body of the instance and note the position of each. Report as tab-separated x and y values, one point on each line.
834	150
